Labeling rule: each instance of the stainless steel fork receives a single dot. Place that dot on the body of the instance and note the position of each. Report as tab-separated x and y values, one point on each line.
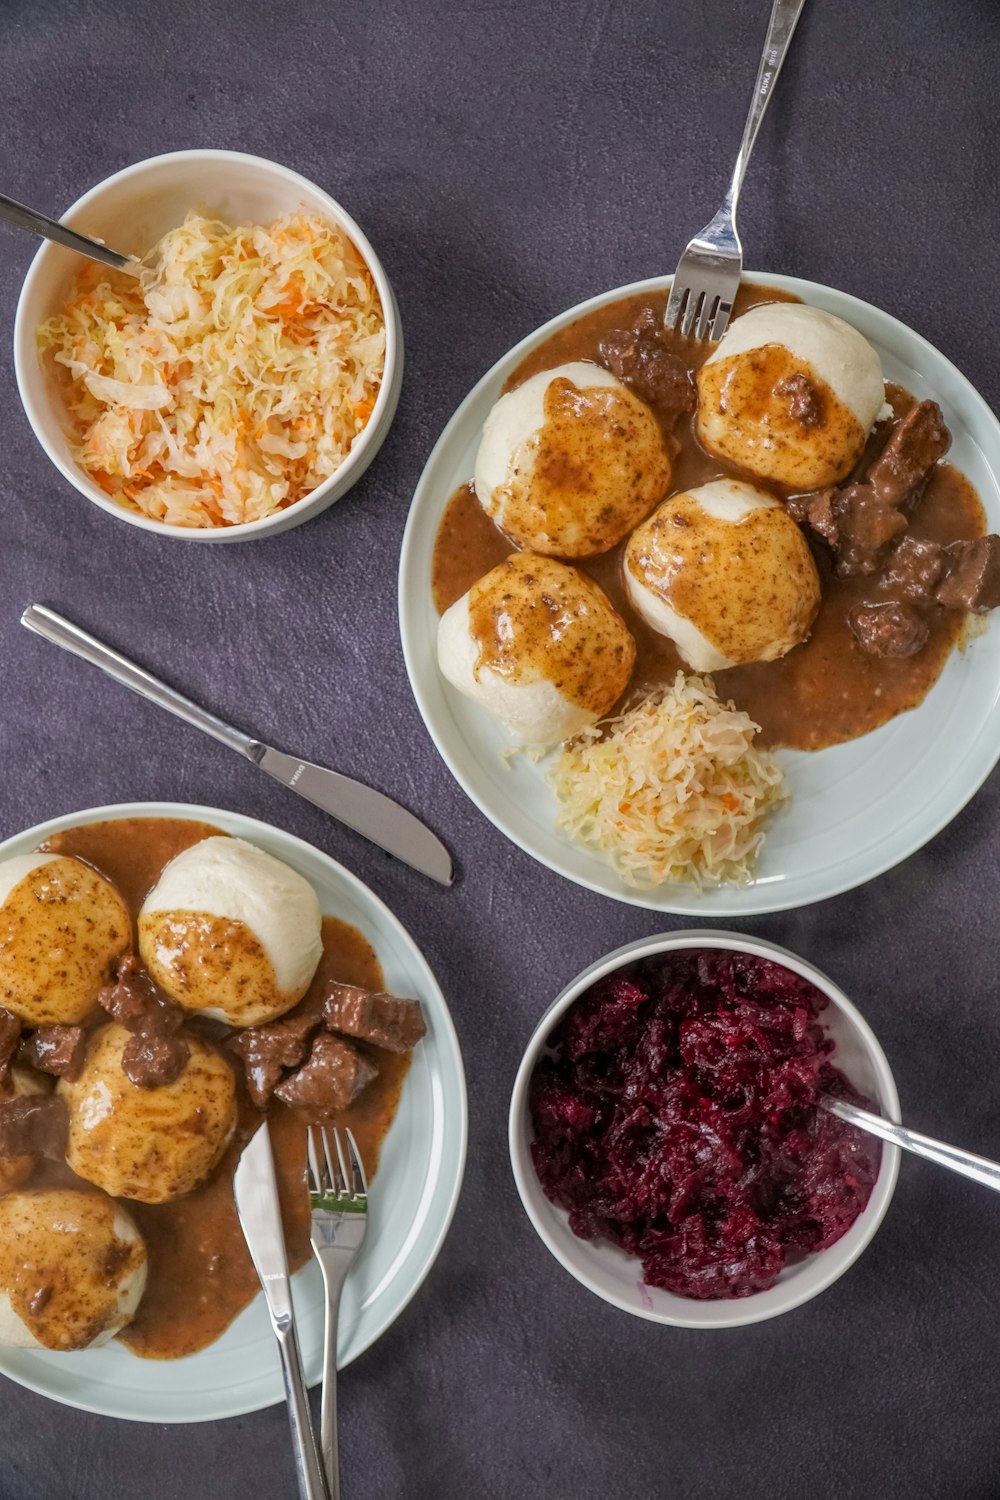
339	1201
708	273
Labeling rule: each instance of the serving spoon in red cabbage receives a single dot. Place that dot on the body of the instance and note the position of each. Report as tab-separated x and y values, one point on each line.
979	1168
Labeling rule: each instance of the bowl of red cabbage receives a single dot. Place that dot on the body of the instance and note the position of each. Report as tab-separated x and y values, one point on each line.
668	1139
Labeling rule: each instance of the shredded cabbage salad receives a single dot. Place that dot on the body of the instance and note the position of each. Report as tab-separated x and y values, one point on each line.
231	379
672	791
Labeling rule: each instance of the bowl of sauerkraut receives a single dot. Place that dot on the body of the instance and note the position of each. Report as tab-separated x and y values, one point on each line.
242	380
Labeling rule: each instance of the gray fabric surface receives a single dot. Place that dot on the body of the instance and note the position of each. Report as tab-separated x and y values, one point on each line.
508	161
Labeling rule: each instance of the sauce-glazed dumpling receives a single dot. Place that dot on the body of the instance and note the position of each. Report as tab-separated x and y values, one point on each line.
231	932
149	1144
538	645
725	573
72	1269
570	461
62	925
790	394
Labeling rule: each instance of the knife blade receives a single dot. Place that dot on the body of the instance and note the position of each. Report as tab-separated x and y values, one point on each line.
368	812
372	814
255	1189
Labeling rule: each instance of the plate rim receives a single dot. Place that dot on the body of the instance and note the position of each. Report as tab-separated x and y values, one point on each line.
687	903
200	812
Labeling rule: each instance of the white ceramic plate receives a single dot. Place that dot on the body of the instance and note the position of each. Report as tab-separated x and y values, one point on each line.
412	1202
857	809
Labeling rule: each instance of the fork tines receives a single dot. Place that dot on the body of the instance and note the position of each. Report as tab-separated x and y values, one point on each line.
328	1164
696	312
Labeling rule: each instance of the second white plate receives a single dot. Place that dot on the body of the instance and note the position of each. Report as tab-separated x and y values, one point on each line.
857	809
412	1201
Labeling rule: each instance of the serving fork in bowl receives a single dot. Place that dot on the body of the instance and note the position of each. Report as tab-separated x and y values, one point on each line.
338	1197
708	273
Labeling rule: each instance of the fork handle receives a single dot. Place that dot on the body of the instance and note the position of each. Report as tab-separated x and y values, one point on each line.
779	33
328	1442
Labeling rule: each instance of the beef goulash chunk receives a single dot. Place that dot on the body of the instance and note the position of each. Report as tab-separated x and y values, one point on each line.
10	1035
59	1050
383	1020
972	581
151	1061
914	569
136	1003
331	1079
269	1049
155	1055
34	1125
916	443
861	520
641	359
892	629
866	524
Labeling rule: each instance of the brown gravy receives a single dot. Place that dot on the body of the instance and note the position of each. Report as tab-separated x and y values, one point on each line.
200	1274
822	693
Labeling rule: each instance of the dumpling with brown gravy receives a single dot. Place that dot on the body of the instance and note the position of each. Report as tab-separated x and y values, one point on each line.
151	1144
790	394
570	461
72	1269
231	932
62	926
725	573
537	644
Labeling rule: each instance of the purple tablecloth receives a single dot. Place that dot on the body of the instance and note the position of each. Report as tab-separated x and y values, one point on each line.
508	161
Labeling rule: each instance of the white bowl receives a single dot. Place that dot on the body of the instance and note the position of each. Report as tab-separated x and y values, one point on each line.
604	1268
131	211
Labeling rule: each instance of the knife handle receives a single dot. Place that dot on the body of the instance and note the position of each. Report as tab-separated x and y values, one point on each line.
308	1469
52	627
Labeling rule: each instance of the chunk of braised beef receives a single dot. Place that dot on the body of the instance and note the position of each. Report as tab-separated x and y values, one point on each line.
136	1003
269	1050
34	1125
641	358
972	581
10	1035
59	1050
150	1060
866	528
816	509
383	1020
914	569
331	1078
860	521
894	629
916	443
804	399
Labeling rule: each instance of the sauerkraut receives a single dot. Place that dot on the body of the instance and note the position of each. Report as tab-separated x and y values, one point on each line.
672	791
231	379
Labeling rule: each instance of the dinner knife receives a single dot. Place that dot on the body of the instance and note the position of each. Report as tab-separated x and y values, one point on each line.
372	814
255	1189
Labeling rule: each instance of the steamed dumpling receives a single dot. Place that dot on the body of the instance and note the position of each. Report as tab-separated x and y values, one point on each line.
725	573
231	932
570	461
62	926
538	645
149	1144
790	394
